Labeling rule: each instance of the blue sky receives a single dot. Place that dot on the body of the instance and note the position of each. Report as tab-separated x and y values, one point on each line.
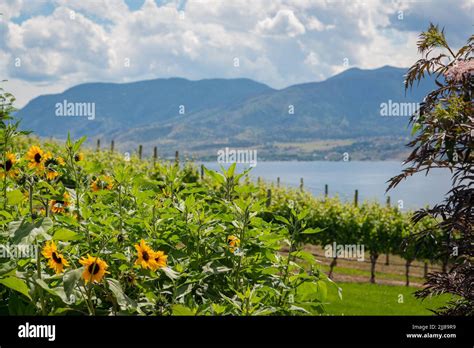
49	46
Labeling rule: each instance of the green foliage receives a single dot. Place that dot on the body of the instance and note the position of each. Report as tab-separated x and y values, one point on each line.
223	257
444	132
378	228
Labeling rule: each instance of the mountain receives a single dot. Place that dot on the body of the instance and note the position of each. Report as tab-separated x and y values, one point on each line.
119	107
344	110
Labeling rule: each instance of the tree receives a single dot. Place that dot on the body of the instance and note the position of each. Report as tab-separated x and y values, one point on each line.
444	138
376	233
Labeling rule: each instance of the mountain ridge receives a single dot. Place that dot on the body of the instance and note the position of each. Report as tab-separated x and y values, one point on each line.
190	115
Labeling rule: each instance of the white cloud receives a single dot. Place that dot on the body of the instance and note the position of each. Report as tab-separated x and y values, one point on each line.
11	8
55	46
312	58
283	23
315	24
278	42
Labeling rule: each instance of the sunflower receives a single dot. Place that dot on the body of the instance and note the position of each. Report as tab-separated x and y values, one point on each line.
104	182
7	168
233	242
51	174
94	268
51	166
79	157
36	157
146	256
160	259
56	261
48	249
59	206
129	278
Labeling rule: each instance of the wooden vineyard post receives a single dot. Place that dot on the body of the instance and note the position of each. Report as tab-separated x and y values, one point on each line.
269	198
140	151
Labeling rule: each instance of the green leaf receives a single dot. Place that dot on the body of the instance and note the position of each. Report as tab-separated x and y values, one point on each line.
308	291
122	299
312	231
306	256
15	197
303	214
57	291
70	280
78	144
7	267
282	219
22	232
214	175
322	290
179	309
68	141
170	273
16	284
218	309
6	214
65	235
119	256
231	170
416	127
18	306
299	309
270	270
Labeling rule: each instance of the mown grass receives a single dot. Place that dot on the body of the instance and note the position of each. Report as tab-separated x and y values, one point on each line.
376	299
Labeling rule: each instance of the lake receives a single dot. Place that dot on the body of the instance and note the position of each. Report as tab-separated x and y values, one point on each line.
343	178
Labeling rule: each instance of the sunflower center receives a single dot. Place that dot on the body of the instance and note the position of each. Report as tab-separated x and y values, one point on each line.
77	158
56	258
130	278
37	158
145	256
8	165
93	268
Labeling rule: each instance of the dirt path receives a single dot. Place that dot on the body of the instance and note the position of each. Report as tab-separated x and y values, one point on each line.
362	279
